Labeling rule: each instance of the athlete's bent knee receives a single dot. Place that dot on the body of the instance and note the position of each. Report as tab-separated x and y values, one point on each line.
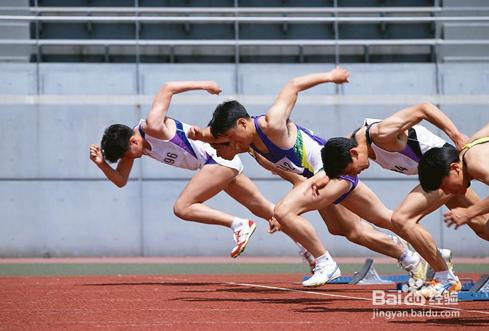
401	221
282	212
181	211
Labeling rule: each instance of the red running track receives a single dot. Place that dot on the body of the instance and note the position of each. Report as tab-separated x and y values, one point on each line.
210	302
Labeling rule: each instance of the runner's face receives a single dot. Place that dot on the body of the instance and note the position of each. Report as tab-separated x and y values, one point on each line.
136	147
224	150
359	162
238	136
454	183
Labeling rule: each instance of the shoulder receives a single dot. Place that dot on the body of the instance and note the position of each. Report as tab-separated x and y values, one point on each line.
476	162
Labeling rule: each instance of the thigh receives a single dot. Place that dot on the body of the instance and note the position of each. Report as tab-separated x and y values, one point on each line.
418	203
209	181
304	197
243	190
365	203
339	219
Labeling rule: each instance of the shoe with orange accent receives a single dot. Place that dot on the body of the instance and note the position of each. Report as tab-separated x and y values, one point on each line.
436	288
241	237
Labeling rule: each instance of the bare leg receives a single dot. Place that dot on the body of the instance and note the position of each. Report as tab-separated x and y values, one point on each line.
338	220
243	190
300	200
208	182
364	203
406	219
479	224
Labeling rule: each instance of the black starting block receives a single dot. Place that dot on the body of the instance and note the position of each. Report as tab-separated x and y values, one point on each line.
368	276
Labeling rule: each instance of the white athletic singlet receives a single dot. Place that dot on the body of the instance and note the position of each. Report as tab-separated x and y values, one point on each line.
182	152
420	140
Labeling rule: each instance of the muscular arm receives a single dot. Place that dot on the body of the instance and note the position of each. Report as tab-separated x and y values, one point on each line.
205	135
120	174
390	132
155	121
478	170
289	176
277	116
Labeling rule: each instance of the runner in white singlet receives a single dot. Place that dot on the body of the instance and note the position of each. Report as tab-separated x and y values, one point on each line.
166	140
397	143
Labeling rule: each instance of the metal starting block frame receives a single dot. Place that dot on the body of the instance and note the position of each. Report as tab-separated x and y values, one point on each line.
369	276
479	291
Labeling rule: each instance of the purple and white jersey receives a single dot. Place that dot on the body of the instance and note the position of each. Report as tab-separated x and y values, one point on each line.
419	141
182	152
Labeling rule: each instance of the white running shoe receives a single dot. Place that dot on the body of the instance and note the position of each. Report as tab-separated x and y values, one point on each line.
323	274
436	288
241	237
447	255
416	270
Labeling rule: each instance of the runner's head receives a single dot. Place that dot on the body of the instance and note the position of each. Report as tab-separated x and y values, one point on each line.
344	156
440	168
231	120
121	141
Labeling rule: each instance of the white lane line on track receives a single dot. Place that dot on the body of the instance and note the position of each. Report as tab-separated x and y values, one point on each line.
350	297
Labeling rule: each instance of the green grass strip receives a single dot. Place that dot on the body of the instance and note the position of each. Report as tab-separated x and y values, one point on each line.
59	269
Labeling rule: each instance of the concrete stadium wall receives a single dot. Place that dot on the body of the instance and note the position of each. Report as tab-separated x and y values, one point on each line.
55	202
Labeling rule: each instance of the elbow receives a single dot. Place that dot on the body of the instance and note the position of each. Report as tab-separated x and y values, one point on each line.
120	184
293	86
424	108
167	89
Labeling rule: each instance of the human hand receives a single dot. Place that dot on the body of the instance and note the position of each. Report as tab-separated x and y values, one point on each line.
96	154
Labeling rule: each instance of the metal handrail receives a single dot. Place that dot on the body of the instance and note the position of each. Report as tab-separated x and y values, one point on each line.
241	42
247	10
241	19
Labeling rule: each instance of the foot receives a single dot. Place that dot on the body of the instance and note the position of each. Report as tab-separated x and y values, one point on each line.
323	274
447	256
438	288
241	237
417	269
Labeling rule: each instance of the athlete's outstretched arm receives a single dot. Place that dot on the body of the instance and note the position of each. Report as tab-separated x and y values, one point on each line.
289	176
120	174
484	132
205	135
277	116
391	129
155	121
460	216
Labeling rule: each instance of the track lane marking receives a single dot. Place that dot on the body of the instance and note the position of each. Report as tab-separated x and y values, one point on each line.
350	297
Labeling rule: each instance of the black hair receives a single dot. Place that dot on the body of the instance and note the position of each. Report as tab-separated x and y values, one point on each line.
225	117
435	165
115	141
336	155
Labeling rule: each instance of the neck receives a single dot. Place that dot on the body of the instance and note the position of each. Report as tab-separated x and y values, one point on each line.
465	174
256	138
363	144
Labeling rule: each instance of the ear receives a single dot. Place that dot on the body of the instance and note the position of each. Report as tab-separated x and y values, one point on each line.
133	140
455	166
241	122
354	153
